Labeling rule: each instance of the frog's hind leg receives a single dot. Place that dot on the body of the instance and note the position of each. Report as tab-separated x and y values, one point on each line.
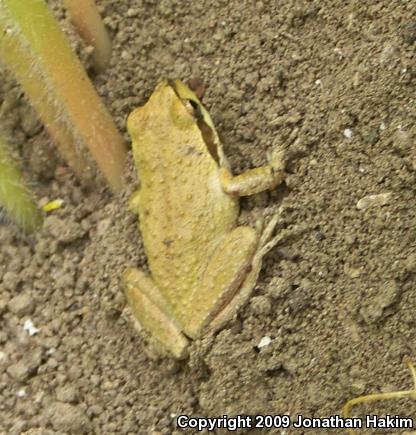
150	310
224	273
266	243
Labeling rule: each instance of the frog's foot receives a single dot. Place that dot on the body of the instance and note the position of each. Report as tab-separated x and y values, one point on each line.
266	243
150	310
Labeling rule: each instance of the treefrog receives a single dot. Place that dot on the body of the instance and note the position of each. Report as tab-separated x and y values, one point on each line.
203	266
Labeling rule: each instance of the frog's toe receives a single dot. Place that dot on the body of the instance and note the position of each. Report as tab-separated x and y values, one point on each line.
277	159
150	310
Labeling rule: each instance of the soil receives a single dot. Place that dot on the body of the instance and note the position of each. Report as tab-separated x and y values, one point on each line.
333	83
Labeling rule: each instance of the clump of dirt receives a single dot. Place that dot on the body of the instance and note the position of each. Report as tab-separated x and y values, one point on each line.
333	83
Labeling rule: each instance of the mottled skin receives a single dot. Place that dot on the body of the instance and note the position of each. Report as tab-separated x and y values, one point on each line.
188	208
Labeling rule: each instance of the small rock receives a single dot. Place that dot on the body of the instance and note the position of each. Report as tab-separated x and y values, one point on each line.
402	141
372	136
132	12
409	33
38	431
5	235
126	55
358	387
69	418
30	327
18	428
3	303
26	367
352	272
291	365
298	300
348	133
67	394
3	337
410	263
65	231
264	341
21	393
278	287
388	53
29	121
261	305
384	298
317	393
4	360
287	119
15	265
102	226
22	304
65	280
11	280
95	410
374	201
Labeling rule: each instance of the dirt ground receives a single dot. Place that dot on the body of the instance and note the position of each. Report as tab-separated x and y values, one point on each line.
333	83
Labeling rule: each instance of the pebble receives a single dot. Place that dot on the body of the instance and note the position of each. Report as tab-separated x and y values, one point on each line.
30	327
125	55
374	201
298	300
11	280
386	296
18	428
38	431
132	12
15	265
264	341
4	359
65	280
403	141
26	367
409	263
102	226
65	231
279	287
348	133
30	122
358	387
22	304
67	394
352	272
409	33
261	305
69	418
3	304
389	53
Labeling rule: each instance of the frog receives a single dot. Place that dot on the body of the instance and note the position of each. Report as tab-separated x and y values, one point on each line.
202	265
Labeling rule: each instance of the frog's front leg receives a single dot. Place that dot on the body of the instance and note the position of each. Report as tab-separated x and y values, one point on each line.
254	180
149	308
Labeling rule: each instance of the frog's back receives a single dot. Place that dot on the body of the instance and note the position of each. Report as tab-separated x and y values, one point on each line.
183	209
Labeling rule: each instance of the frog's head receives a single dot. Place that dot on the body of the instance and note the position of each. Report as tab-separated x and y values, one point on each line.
163	109
174	103
204	121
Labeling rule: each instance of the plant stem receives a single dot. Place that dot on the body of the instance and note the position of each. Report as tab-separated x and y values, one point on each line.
14	196
87	20
35	49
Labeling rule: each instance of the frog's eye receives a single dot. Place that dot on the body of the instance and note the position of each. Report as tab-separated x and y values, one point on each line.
191	107
208	135
209	139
